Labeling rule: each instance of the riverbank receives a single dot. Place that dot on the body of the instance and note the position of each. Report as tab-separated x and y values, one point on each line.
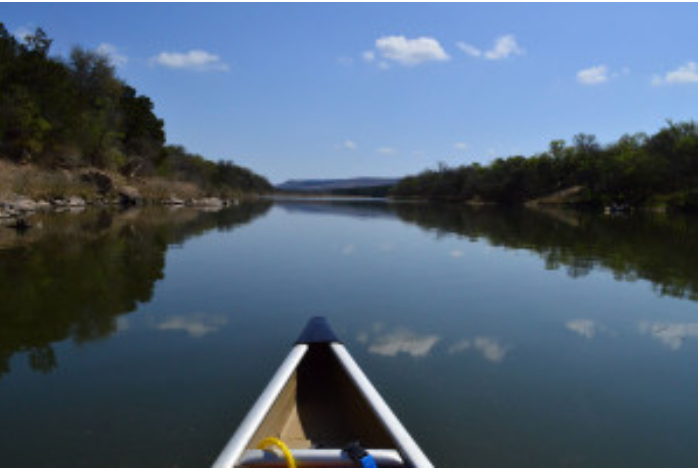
26	189
579	198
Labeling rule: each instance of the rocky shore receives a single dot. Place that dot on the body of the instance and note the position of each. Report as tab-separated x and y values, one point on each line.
16	210
27	190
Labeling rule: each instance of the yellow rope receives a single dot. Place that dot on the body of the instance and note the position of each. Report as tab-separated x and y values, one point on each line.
274	442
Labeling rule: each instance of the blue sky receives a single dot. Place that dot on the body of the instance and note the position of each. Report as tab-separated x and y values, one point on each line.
342	90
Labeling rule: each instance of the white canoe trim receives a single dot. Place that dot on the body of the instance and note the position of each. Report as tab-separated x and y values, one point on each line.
409	450
385	458
237	445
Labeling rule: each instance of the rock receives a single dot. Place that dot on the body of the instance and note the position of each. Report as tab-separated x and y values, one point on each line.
209	202
102	181
21	204
75	202
43	205
174	201
59	202
129	196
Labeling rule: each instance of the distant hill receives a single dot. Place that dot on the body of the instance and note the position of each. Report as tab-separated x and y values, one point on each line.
331	185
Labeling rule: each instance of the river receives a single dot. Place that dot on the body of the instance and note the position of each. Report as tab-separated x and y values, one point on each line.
500	337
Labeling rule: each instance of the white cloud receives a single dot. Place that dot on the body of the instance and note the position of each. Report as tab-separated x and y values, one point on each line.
583	327
23	31
671	335
504	47
112	53
403	341
368	56
593	75
348	249
410	52
193	60
196	325
346	145
460	146
469	49
687	73
387	150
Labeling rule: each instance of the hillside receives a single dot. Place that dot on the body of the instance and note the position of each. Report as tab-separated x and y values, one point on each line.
70	114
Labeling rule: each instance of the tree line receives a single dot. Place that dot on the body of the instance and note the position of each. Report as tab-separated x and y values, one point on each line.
636	169
76	112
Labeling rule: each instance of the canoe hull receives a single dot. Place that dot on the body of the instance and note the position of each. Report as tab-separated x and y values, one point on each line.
318	402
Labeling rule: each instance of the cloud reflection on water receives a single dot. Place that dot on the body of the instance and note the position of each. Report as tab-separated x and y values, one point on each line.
491	349
403	341
196	325
584	327
672	335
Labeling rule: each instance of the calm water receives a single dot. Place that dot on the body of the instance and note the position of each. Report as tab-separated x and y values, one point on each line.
500	338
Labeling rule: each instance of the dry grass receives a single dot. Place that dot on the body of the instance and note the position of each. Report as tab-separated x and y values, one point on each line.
158	189
38	183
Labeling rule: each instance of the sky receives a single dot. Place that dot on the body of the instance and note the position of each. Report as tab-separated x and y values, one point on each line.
345	90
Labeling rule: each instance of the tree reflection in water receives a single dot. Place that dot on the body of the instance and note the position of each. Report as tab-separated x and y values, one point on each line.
76	275
659	248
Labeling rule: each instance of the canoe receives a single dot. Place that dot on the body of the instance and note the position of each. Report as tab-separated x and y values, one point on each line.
320	410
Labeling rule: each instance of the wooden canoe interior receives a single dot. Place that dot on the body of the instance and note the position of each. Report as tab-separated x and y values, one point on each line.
321	408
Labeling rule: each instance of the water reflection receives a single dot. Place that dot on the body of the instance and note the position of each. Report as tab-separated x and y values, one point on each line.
405	341
583	327
491	349
196	325
349	207
398	341
74	277
659	248
671	335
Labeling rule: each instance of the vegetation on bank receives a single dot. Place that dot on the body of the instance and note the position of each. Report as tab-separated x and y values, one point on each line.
74	113
638	169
